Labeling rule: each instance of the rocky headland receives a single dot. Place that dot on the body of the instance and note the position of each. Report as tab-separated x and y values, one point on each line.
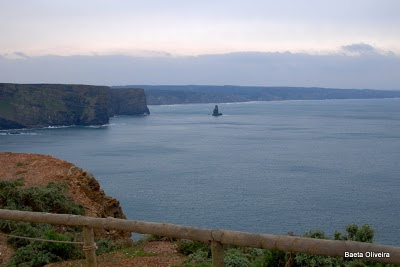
42	105
130	101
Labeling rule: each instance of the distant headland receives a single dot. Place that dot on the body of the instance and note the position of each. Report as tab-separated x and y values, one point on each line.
187	94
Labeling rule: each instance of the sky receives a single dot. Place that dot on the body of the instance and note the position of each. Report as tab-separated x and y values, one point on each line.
330	43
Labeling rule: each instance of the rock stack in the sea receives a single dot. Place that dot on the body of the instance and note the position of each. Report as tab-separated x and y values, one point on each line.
216	112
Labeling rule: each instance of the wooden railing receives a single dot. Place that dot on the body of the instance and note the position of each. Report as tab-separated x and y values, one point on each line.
218	238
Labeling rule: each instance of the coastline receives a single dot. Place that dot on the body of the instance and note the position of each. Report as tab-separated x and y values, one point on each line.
278	100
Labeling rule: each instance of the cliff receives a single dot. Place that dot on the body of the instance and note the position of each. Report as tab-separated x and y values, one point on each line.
131	101
83	188
42	105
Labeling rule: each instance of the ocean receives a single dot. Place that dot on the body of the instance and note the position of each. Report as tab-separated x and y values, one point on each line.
266	167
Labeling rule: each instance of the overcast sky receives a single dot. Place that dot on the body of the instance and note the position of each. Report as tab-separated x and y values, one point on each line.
326	33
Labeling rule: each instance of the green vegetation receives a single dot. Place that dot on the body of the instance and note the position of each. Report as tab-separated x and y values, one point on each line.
106	245
50	198
6	107
187	247
37	253
151	238
199	254
133	252
19	164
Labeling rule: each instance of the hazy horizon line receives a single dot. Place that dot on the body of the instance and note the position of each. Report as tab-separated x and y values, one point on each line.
201	85
353	49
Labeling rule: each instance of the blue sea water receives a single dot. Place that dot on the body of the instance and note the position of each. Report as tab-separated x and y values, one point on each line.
268	167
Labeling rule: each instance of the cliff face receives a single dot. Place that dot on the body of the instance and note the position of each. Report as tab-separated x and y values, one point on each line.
131	101
40	105
83	188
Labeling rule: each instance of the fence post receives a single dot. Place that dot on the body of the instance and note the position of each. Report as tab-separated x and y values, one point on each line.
217	252
89	247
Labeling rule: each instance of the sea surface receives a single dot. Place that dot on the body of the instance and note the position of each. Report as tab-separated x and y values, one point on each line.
267	167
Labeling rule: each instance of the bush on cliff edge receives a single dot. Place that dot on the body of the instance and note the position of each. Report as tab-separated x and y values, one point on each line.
50	198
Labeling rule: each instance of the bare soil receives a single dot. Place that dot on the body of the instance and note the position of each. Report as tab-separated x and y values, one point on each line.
149	254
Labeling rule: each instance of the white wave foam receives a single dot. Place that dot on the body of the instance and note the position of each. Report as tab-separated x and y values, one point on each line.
58	127
17	133
96	126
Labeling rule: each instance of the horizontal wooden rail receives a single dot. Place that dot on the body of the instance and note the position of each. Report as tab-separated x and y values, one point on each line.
313	246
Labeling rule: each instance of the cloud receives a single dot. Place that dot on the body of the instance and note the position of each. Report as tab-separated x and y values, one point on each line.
367	70
15	55
360	49
21	55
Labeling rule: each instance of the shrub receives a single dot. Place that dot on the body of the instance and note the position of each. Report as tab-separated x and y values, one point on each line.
235	258
353	232
105	245
62	250
188	247
315	261
50	198
37	253
32	255
274	258
199	253
200	256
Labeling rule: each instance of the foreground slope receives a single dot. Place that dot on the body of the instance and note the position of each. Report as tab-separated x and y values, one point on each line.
83	188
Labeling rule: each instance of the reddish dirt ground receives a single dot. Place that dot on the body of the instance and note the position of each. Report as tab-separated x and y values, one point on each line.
163	254
83	188
5	250
40	170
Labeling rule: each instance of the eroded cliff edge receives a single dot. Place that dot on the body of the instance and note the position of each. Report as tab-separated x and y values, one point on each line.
83	188
42	105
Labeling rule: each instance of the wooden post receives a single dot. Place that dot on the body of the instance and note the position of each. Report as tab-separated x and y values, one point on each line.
217	251
89	247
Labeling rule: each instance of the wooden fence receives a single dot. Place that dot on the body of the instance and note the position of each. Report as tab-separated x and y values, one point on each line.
218	238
